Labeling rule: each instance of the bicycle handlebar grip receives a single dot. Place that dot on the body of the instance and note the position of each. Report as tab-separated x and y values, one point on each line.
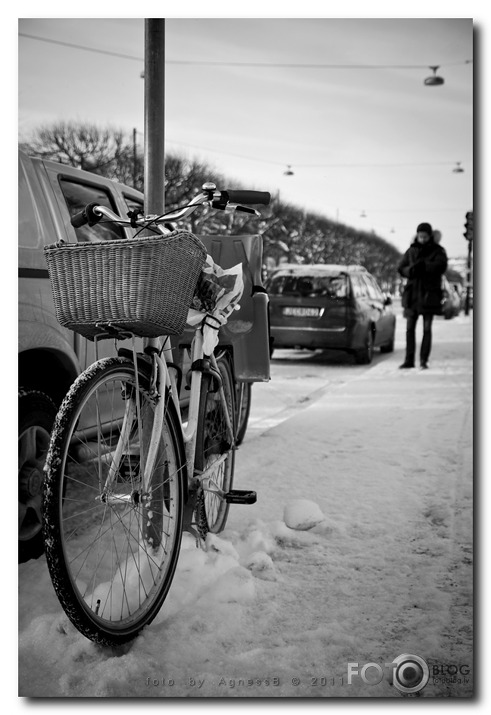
242	196
87	215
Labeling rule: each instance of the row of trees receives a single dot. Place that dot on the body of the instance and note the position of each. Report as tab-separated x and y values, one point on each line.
289	231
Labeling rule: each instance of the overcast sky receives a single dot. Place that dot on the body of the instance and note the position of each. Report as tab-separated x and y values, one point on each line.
360	140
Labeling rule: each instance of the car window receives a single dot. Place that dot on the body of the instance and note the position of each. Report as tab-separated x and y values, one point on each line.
137	204
338	287
373	290
308	286
133	203
360	288
77	196
378	289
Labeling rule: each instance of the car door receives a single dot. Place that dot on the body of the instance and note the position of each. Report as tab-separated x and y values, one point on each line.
363	310
73	191
379	313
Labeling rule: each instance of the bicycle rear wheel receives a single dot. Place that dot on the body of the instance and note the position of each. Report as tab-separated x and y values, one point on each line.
243	407
214	446
111	546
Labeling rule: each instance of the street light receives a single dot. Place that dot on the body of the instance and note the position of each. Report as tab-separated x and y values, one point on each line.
469	226
434	80
469	236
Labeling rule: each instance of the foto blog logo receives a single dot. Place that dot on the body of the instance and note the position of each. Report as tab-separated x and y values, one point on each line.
409	673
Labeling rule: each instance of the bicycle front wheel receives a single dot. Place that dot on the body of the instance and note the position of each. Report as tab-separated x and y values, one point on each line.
112	538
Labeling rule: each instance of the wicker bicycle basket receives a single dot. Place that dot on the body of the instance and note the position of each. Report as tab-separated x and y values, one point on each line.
140	285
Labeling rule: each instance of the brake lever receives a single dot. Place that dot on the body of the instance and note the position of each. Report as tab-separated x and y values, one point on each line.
246	209
223	205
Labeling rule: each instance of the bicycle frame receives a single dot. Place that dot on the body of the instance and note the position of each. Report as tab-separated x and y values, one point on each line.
164	382
189	431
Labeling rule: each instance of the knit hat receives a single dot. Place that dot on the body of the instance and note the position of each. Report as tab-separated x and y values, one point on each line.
425	228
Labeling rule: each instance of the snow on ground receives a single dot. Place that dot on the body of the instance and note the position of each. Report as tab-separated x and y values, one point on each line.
358	550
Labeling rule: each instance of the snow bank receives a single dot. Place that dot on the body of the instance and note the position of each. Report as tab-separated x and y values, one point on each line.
216	588
271	609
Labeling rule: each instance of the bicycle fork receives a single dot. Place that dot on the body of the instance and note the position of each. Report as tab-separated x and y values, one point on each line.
159	382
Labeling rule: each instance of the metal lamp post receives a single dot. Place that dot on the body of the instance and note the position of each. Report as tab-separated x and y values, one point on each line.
154	77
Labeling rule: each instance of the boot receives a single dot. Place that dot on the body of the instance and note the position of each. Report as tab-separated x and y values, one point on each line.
406	364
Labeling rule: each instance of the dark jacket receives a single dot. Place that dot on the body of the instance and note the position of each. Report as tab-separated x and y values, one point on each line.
423	265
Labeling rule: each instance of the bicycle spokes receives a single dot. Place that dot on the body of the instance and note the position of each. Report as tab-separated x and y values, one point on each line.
119	529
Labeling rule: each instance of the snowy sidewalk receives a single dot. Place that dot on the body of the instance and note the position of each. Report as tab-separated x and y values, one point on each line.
388	458
270	611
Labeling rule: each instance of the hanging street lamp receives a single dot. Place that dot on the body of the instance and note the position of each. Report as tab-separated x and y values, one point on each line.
434	80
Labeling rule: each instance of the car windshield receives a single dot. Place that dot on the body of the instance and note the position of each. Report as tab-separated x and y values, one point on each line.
308	286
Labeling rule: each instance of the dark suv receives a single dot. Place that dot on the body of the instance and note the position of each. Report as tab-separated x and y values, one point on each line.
51	357
330	306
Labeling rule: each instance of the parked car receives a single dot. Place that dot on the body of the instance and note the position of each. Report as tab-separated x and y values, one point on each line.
51	357
452	301
330	306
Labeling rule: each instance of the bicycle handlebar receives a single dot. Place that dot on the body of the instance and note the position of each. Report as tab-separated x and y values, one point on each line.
241	196
239	200
87	215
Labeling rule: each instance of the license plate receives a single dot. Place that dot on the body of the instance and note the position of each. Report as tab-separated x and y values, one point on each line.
296	312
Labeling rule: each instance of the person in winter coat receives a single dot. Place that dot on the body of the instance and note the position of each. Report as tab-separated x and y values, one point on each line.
423	265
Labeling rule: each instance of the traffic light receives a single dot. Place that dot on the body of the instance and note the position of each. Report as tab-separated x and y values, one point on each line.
469	226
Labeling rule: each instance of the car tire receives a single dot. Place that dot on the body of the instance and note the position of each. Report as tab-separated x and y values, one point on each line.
365	355
37	413
388	347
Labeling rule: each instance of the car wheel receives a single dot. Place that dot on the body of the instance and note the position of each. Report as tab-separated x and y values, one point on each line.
37	413
388	347
365	355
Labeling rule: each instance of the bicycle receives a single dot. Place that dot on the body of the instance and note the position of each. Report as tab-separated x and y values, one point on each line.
126	472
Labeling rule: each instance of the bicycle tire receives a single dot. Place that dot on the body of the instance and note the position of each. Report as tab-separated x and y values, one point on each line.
243	406
212	442
112	552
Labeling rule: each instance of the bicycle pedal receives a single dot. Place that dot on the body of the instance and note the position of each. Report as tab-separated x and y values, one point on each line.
240	496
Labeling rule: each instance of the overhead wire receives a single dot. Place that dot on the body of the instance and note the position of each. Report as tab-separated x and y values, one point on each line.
216	63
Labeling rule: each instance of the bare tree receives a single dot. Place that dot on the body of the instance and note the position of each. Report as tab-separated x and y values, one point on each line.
288	230
85	146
